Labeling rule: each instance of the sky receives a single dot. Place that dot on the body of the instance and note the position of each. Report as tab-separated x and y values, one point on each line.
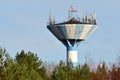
23	26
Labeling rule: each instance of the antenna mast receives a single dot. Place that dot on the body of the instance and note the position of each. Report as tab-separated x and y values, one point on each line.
71	11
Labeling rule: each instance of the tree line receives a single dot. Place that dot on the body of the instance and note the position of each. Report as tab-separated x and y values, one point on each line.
28	66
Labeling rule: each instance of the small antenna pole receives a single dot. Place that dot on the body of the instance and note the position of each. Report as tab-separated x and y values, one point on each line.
71	11
50	18
69	17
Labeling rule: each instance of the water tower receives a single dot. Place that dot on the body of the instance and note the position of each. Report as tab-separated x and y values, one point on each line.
72	32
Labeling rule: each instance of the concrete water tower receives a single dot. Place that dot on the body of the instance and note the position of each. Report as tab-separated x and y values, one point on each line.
72	32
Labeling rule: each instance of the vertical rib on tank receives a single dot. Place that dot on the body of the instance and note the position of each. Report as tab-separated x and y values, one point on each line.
71	33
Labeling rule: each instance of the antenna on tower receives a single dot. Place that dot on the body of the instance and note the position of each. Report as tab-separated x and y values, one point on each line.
94	17
83	19
71	11
50	18
86	19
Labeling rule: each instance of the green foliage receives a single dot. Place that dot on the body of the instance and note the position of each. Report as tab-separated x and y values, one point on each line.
85	72
27	66
5	64
70	73
29	59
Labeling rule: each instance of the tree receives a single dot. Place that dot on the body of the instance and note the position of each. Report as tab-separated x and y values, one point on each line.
5	64
85	72
28	66
101	73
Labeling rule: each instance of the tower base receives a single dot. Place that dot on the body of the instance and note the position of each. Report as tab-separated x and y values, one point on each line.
72	56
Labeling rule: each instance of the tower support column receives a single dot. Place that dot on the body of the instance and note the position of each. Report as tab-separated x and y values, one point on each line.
72	55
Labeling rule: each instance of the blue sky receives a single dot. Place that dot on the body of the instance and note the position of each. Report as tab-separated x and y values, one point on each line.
23	27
